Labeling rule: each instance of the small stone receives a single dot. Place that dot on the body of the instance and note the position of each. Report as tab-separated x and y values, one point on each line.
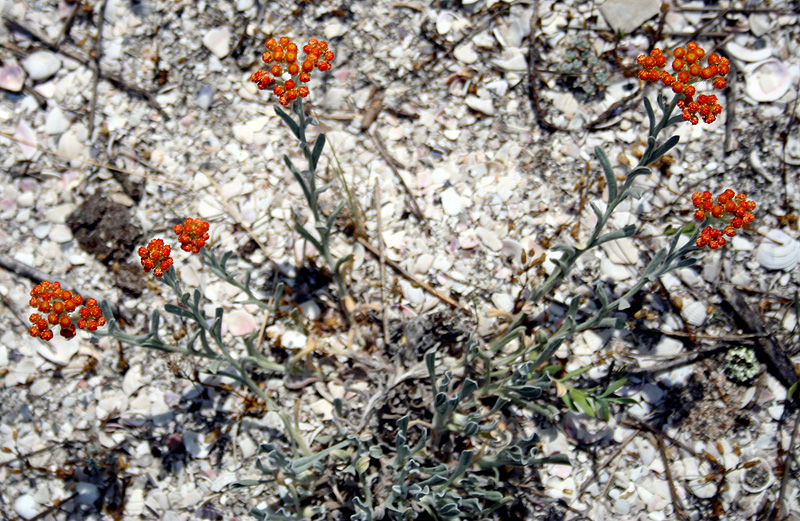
445	21
244	5
452	134
41	65
12	78
60	233
310	310
26	507
70	146
324	408
451	201
489	239
56	122
334	29
626	16
482	105
88	493
240	323
205	95
218	41
26	140
194	445
622	507
40	387
133	380
503	302
466	54
293	340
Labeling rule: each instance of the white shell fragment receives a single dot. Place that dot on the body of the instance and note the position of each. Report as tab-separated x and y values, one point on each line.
757	477
695	313
767	80
746	54
778	251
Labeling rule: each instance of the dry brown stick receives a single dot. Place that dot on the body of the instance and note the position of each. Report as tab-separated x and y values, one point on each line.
787	470
641	424
676	501
405	274
382	263
67	24
777	362
15	25
96	55
395	165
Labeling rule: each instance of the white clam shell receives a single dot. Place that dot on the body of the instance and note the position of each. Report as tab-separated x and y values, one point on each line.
746	54
778	251
767	80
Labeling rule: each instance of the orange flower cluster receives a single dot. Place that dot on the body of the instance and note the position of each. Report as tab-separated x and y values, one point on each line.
282	54
156	257
56	306
687	72
733	209
192	234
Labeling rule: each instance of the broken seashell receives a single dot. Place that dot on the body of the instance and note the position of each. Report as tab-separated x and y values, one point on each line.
757	476
767	80
695	313
746	54
778	251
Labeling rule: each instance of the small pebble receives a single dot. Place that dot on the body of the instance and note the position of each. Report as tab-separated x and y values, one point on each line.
41	65
26	507
218	41
482	105
12	78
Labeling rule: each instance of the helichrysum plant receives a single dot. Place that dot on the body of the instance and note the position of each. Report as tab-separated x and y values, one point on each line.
447	458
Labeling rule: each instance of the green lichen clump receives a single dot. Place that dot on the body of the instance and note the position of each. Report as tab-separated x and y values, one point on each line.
586	73
741	365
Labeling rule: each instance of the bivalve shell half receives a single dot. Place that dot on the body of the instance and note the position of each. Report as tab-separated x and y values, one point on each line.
746	54
695	313
767	80
778	251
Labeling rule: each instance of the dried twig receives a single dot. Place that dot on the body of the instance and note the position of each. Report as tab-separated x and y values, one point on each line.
395	165
382	262
97	54
680	513
604	464
787	470
411	278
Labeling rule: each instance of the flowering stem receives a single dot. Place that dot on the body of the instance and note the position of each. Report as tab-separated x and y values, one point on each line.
307	179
